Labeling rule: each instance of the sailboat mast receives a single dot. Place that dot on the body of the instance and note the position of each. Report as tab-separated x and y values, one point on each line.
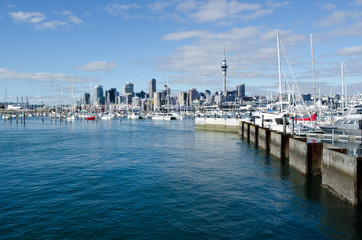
280	77
314	97
342	85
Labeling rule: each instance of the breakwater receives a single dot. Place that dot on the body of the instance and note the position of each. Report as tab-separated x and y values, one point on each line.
341	174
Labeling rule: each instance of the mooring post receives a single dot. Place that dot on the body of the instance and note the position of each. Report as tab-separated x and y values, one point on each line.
332	136
284	124
292	132
359	150
262	121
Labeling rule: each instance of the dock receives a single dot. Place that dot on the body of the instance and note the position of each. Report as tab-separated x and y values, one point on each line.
341	173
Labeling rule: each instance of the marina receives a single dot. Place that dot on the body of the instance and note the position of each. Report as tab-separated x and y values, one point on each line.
156	179
181	120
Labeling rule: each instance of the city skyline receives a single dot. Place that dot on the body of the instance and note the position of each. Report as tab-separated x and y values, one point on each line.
69	48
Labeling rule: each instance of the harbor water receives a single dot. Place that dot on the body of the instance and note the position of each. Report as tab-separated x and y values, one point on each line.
144	179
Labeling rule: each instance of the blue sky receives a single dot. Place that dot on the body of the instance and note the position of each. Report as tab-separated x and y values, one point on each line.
65	46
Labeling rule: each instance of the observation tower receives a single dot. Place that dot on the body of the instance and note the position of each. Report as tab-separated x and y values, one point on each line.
224	68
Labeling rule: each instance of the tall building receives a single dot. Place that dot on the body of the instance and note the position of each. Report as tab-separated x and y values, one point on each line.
165	94
240	89
111	96
156	101
86	98
181	98
224	68
207	94
193	95
98	95
128	88
151	87
128	92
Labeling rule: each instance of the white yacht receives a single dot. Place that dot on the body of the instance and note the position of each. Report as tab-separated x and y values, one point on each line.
135	115
163	116
347	125
275	122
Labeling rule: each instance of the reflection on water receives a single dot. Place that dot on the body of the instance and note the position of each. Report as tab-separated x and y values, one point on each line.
158	180
331	215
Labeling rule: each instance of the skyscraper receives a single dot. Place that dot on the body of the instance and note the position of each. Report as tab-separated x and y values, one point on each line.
224	68
193	94
111	95
98	95
240	89
86	98
151	87
128	88
128	92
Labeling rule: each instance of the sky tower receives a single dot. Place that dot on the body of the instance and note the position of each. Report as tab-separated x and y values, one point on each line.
224	67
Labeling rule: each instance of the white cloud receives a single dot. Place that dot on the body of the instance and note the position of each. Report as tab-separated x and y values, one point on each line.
251	55
354	30
97	66
328	6
120	9
27	17
10	5
187	6
51	25
339	17
159	6
184	35
215	10
356	50
220	12
64	19
70	17
42	77
356	3
273	4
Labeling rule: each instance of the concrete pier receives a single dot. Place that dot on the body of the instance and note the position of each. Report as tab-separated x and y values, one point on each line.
305	157
279	145
246	134
342	175
253	133
217	124
264	138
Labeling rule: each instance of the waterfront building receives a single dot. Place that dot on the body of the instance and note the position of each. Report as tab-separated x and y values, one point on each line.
86	98
111	96
156	101
98	97
240	91
141	94
230	96
207	94
165	94
181	98
136	101
128	92
151	87
128	88
193	95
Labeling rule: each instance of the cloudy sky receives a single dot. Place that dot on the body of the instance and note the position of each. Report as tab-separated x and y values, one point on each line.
67	46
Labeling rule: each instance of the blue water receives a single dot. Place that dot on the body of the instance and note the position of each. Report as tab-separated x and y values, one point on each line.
156	180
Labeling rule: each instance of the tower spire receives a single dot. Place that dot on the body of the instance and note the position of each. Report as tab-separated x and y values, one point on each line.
224	68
